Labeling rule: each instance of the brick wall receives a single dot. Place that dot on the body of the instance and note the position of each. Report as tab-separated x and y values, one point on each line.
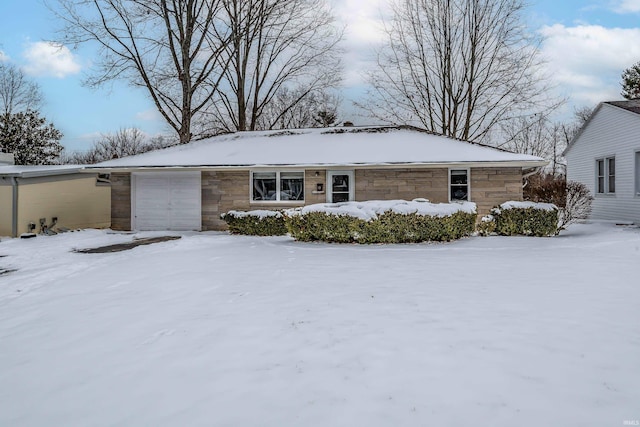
407	184
493	186
121	201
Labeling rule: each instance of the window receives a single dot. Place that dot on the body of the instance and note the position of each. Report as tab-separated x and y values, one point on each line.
606	175
611	175
459	184
600	173
637	173
277	186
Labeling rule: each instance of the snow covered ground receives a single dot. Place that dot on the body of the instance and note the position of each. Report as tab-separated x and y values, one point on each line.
220	330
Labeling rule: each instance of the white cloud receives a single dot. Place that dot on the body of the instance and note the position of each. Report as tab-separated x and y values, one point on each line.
149	115
3	56
50	59
627	6
364	31
587	60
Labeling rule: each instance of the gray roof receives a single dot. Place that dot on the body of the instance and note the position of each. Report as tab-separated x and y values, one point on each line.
632	105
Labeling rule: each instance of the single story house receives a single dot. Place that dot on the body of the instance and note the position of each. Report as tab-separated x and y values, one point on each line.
605	156
187	187
35	196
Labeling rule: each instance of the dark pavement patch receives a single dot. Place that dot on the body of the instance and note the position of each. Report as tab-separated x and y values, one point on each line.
126	246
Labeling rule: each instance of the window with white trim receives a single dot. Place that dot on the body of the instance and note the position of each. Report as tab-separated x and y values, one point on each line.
606	175
277	186
459	184
637	173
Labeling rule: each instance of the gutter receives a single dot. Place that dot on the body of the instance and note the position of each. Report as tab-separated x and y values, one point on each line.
14	209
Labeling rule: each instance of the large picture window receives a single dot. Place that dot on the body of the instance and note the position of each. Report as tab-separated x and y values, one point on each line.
277	186
606	175
459	184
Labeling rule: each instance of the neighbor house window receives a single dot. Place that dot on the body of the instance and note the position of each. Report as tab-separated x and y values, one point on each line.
637	173
277	186
606	175
459	184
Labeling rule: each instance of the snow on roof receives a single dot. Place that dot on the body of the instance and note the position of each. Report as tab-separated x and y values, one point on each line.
34	171
376	145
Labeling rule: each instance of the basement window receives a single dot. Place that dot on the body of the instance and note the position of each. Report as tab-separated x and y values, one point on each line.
459	185
277	186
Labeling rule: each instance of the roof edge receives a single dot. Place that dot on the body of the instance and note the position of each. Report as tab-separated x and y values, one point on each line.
418	165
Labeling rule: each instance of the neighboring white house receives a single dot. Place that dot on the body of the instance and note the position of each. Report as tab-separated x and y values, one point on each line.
605	156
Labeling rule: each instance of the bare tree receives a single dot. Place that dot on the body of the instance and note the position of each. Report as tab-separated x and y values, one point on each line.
124	142
277	47
539	136
457	67
289	110
17	93
171	48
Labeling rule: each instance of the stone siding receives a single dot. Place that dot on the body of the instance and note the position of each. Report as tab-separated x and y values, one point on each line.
121	201
493	186
223	191
407	184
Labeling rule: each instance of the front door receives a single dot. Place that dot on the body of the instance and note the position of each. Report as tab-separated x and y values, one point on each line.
340	185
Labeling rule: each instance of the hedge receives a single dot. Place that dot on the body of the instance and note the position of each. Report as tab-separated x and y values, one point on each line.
255	223
396	224
526	219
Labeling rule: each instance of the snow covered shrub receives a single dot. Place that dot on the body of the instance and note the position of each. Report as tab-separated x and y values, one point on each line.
255	223
526	218
577	205
394	221
572	198
486	226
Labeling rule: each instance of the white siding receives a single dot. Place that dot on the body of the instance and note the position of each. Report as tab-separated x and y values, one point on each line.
611	132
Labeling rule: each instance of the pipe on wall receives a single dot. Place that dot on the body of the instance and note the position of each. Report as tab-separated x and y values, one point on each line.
14	208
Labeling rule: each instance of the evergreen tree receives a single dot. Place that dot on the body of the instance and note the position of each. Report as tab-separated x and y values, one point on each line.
631	82
30	138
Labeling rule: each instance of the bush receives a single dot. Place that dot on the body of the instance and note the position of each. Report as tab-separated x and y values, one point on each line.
526	218
578	204
392	225
255	223
486	226
546	188
572	198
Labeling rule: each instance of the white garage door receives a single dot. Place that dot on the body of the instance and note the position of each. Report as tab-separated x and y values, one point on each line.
166	201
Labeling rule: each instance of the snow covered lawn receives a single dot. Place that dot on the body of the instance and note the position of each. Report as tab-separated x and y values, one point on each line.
220	330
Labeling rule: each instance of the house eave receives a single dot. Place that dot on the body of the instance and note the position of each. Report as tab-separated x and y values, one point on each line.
390	165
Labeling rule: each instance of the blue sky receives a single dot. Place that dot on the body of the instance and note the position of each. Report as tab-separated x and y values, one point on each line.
588	43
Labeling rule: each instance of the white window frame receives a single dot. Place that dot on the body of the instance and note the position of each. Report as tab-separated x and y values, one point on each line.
468	170
637	175
607	177
352	183
278	187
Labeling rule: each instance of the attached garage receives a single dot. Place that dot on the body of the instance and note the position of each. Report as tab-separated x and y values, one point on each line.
166	201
